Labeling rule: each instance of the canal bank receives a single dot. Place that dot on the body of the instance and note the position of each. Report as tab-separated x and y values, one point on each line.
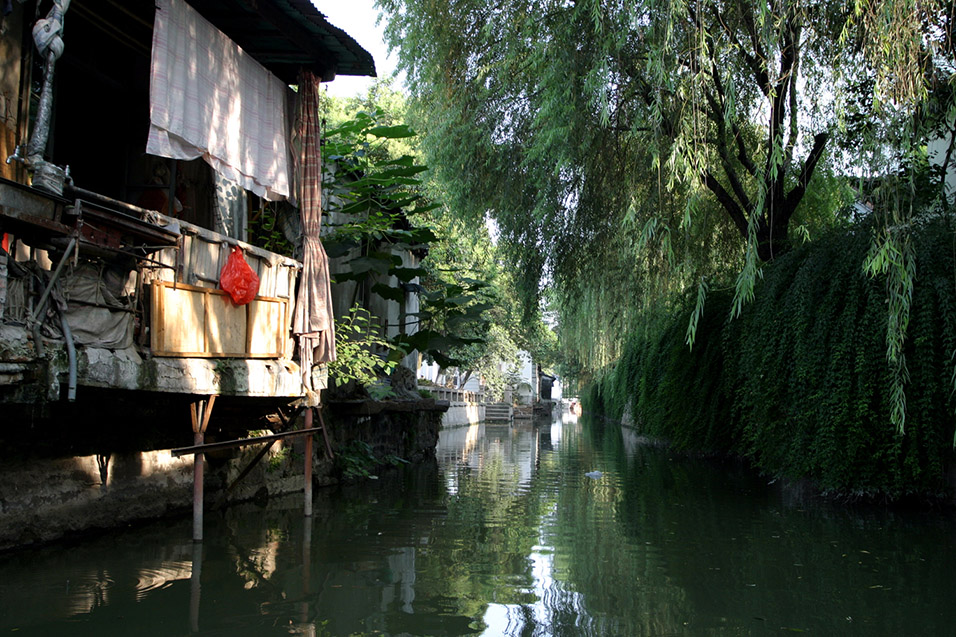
87	480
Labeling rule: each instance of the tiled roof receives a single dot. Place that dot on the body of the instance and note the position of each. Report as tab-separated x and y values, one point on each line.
285	35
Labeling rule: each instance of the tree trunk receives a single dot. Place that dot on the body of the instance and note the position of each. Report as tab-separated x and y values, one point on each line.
773	236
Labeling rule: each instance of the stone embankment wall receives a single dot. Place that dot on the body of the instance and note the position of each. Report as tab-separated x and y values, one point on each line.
464	407
43	499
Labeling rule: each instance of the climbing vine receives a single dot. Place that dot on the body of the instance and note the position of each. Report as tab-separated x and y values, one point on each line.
805	389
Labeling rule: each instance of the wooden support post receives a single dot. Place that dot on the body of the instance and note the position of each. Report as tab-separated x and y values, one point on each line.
195	587
200	411
308	464
198	461
325	436
306	575
252	463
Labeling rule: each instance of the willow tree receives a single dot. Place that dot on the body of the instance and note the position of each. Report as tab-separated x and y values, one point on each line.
521	124
628	146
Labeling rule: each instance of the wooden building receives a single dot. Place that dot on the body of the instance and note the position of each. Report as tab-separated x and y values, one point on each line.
119	206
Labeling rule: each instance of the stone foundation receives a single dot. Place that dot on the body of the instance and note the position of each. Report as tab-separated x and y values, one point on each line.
46	498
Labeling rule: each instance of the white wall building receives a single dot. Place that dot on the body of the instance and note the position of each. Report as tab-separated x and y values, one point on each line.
937	150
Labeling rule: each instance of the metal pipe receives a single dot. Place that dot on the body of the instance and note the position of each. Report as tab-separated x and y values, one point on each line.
17	156
41	305
41	127
199	411
82	193
242	442
41	130
71	357
195	587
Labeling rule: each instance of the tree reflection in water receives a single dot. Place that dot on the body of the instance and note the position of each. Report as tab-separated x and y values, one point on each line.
507	535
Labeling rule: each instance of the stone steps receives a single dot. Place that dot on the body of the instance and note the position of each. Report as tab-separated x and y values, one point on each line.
498	412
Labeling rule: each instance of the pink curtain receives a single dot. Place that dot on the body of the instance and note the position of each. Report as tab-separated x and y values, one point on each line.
313	320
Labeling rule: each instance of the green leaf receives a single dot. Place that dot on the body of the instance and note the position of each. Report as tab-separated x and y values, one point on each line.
343	277
371	263
399	131
407	274
477	309
390	293
400	171
444	360
424	235
419	209
336	249
460	299
394	259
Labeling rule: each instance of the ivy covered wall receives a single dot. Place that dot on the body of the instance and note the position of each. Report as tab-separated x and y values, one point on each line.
800	383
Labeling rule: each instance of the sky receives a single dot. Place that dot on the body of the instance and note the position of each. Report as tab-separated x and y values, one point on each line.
358	18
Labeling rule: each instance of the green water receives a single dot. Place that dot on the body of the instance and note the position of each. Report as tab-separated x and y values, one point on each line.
507	534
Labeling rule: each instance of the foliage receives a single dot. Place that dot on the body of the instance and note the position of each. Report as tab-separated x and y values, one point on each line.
278	458
630	150
265	228
362	350
383	202
805	390
467	257
357	459
376	194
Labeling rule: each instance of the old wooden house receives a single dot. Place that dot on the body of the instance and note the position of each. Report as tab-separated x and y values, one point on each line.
136	138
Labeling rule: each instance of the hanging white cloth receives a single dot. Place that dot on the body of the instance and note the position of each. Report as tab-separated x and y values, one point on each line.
211	99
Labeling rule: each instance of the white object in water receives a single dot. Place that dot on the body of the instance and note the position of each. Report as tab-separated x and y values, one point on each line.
594	474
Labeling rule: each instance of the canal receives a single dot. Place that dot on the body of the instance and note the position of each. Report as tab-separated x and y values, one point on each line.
516	530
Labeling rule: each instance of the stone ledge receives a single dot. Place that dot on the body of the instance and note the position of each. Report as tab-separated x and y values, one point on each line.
128	369
370	407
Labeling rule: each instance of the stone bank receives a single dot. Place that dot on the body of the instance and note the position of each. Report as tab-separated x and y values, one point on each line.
47	494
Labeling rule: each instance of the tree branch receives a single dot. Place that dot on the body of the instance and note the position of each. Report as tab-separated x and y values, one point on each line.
742	155
737	214
775	178
809	165
723	149
757	62
794	71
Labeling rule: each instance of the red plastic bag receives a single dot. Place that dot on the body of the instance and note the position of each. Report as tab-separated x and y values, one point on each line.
238	279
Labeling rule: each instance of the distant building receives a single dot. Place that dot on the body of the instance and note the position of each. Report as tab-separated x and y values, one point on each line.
942	154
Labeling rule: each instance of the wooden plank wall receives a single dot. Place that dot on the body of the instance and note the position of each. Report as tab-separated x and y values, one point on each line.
195	321
191	317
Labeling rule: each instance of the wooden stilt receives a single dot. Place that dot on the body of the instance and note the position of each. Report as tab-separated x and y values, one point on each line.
306	578
199	411
198	462
325	436
308	464
195	588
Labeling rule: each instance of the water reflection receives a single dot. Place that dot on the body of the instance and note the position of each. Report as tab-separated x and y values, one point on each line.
506	534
